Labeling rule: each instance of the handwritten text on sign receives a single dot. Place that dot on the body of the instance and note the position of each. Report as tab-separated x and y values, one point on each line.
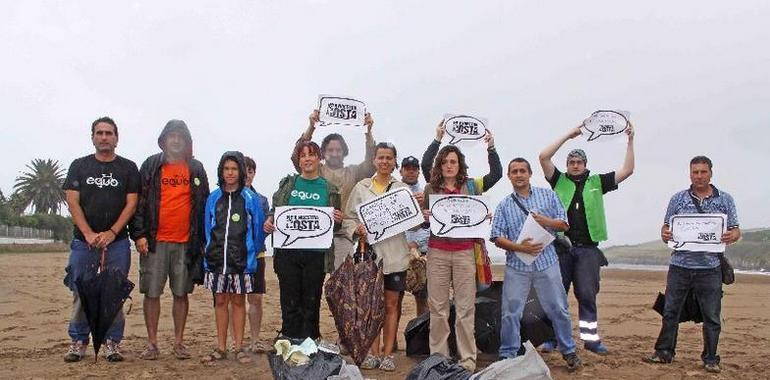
389	214
459	216
303	227
464	128
338	110
606	123
698	232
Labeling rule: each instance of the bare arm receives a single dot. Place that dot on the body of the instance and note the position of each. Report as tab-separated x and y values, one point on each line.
555	224
547	154
628	163
366	168
107	237
525	246
73	203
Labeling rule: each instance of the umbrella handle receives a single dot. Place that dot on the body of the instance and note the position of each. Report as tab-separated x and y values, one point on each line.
102	259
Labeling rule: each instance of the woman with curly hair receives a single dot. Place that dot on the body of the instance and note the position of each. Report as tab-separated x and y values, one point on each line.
451	261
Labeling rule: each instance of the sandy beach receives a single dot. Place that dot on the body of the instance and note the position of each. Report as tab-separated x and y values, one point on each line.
35	309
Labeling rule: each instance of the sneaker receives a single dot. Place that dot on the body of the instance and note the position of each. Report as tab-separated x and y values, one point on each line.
712	367
76	352
371	362
112	351
573	361
548	346
387	364
597	348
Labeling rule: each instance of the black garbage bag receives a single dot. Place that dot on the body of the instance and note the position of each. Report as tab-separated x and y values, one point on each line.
438	367
103	296
535	326
690	310
322	365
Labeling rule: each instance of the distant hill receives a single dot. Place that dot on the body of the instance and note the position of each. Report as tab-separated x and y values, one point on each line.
752	252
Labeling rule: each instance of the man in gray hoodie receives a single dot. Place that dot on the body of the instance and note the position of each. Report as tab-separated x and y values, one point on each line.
169	225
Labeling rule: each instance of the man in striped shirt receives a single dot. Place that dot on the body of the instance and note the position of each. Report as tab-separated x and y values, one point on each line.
543	273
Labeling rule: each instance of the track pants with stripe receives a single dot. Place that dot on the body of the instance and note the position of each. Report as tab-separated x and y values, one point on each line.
581	268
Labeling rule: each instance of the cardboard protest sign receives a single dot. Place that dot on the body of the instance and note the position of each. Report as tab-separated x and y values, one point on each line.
459	216
465	128
606	123
303	227
339	110
698	232
389	214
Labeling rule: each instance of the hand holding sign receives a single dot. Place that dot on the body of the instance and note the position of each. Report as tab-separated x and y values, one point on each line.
464	128
389	214
338	110
304	227
606	123
459	216
698	232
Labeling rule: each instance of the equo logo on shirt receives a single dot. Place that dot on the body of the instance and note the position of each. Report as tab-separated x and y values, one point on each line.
305	195
104	180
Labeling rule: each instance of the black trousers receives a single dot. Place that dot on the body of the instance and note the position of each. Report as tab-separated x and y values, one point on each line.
707	286
581	267
300	279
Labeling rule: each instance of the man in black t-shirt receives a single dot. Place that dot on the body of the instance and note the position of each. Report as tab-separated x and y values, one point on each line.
582	195
102	192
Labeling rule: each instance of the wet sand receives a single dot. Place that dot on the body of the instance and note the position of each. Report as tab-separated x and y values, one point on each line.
35	309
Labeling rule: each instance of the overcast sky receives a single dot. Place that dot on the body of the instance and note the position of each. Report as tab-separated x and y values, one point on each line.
695	76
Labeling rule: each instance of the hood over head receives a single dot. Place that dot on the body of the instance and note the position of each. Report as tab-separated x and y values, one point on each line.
237	157
178	126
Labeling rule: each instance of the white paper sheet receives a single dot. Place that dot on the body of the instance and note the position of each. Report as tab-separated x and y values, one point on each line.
389	214
303	227
539	235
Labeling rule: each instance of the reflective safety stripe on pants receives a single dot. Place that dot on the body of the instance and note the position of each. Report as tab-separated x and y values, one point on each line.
589	331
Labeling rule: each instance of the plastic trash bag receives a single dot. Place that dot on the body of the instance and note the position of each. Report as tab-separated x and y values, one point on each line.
529	366
438	367
321	366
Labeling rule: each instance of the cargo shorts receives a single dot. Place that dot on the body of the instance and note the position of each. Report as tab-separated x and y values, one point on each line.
170	261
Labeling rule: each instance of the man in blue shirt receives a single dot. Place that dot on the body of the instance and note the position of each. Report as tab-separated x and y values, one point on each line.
543	273
696	271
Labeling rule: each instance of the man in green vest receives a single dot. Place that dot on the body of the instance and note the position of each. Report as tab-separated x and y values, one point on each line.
582	194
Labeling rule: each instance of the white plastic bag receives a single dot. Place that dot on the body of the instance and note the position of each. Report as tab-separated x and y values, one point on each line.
529	366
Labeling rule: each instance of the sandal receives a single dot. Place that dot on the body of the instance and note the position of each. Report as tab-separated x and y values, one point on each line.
242	357
150	353
181	352
214	356
260	347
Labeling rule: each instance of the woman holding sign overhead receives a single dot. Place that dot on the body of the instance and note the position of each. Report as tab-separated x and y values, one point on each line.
451	261
301	271
393	251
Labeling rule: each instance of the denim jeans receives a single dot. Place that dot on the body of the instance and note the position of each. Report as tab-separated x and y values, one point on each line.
706	284
553	298
84	262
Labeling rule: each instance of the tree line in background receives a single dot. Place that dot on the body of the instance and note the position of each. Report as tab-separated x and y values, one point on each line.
38	189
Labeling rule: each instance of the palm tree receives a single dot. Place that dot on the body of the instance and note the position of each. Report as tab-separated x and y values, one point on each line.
41	186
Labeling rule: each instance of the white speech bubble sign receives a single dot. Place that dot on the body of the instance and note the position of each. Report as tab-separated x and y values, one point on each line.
389	214
606	123
341	110
464	128
698	232
459	216
303	227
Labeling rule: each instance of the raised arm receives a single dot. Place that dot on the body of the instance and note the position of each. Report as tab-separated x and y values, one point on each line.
628	163
366	168
495	167
547	154
426	165
306	136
